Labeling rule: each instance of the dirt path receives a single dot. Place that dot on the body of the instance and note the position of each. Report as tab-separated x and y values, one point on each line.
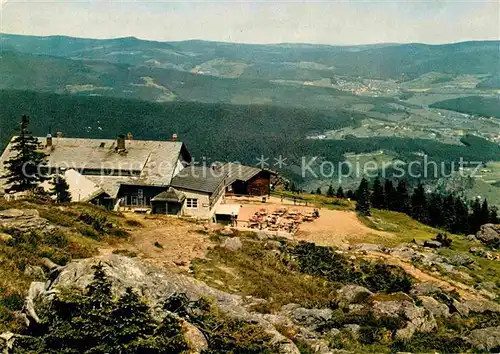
337	228
165	242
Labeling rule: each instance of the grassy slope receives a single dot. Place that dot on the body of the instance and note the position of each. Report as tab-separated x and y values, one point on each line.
405	230
74	240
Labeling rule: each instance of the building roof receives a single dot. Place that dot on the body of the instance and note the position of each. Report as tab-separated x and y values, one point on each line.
170	195
143	161
81	188
239	172
199	178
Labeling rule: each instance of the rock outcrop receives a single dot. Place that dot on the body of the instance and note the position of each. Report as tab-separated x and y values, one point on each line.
152	283
485	338
24	220
489	233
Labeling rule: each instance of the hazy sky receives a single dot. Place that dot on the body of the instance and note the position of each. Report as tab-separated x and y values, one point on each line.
331	22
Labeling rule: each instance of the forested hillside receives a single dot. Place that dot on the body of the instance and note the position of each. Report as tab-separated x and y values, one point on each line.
219	131
378	61
475	105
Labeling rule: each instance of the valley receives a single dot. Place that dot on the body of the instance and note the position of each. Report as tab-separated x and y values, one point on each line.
295	100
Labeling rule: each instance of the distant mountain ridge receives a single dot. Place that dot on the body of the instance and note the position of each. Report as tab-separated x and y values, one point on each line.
397	61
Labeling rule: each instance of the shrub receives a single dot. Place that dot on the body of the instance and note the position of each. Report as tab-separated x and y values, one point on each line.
323	261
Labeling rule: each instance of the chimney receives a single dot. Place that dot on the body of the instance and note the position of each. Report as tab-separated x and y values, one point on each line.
130	136
174	137
48	144
59	135
120	142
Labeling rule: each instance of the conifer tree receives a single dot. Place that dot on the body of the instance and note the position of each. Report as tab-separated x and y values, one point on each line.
449	215
318	191
475	219
390	195
377	197
330	192
435	209
363	198
485	212
419	204
23	169
60	189
494	216
349	194
461	224
402	198
340	193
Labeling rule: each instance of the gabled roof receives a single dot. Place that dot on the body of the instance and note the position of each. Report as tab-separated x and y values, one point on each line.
143	161
238	172
81	188
199	178
170	195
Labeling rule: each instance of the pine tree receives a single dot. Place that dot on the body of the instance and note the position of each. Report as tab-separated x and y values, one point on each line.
60	189
435	209
340	193
349	194
449	214
318	191
377	197
24	168
494	216
402	198
390	195
475	219
461	217
330	192
363	198
419	204
485	212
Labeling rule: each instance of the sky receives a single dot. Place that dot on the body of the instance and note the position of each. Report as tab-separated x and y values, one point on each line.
265	21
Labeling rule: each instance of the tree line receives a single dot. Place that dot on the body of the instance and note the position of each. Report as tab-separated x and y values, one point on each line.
448	211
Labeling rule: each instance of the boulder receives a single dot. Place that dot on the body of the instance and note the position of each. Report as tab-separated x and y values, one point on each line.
312	319
432	244
6	342
226	231
34	272
24	220
195	339
485	338
477	251
476	306
418	318
489	233
435	307
350	292
353	329
424	289
460	259
262	235
5	237
368	247
232	244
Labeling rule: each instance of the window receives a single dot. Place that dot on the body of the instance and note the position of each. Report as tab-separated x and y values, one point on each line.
191	203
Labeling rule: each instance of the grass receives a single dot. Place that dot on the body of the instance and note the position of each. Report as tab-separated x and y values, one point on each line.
316	200
73	239
257	272
406	229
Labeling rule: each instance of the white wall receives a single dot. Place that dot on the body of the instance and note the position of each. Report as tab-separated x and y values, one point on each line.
203	211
